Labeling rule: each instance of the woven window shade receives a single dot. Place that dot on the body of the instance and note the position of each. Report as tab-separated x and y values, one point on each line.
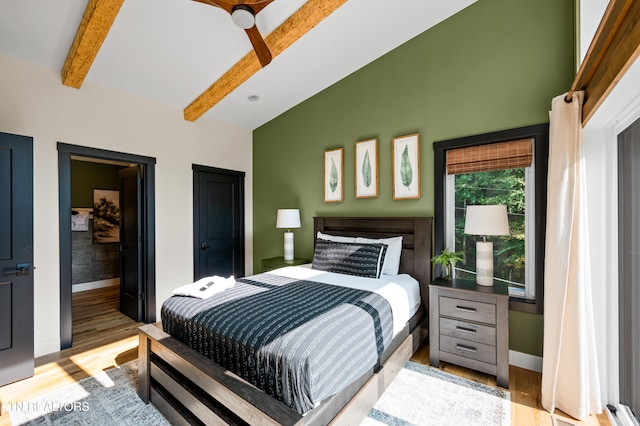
494	156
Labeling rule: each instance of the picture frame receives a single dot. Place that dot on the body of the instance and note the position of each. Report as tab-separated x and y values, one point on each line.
106	216
406	167
334	175
366	168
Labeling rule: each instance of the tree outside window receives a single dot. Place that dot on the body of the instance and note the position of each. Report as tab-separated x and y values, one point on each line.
488	188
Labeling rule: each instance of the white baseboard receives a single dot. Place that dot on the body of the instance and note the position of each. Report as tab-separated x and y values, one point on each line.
46	348
95	284
526	361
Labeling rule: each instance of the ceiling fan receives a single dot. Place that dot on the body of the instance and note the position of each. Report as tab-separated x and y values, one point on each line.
243	13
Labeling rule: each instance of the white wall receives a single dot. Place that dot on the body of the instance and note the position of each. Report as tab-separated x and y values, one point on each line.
591	12
601	199
33	102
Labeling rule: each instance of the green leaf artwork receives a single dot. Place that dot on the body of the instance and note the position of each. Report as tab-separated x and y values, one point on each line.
366	170
406	172
333	178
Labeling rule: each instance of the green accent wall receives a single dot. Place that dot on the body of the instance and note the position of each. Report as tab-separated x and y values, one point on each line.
87	176
495	65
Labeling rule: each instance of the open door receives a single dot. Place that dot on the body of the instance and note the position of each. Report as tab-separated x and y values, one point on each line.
16	258
131	279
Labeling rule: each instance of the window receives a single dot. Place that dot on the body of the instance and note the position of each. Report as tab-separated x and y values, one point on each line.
514	260
507	167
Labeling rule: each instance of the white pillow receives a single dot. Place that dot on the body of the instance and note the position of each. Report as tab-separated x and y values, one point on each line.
336	238
394	250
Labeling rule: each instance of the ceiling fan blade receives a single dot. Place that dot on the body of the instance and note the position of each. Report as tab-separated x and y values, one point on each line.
210	3
228	5
258	5
252	7
260	47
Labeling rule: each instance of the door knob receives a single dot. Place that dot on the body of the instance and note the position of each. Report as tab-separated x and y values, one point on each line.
204	246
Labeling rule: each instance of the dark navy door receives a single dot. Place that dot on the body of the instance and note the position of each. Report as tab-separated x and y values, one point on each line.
16	258
218	222
131	280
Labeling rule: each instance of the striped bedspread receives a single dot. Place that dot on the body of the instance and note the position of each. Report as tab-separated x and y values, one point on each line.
299	341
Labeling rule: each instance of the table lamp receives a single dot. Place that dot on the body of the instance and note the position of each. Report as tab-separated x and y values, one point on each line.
484	221
287	219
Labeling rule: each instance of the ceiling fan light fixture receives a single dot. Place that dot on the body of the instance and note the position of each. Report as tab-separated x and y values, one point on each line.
243	16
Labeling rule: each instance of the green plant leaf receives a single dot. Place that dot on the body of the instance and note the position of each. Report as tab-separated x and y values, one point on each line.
448	257
366	170
333	178
406	171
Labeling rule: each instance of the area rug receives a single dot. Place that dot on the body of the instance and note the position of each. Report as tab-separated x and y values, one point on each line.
420	395
109	398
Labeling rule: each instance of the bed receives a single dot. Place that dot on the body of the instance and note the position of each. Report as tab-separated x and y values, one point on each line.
189	388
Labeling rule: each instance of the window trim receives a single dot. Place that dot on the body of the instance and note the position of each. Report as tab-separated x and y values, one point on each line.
540	134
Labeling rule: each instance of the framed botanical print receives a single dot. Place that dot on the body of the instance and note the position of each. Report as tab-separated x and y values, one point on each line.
406	167
334	175
366	168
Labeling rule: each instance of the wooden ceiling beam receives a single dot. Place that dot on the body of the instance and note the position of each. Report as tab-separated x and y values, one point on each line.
97	20
614	48
301	22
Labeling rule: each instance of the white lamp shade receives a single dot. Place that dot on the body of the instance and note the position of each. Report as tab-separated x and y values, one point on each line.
487	220
288	218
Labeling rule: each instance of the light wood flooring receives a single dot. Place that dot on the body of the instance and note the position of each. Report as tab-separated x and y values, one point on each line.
104	338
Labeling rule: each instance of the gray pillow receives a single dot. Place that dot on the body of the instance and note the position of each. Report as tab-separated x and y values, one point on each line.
364	260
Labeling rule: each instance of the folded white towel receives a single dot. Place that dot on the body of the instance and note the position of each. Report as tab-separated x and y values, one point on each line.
205	287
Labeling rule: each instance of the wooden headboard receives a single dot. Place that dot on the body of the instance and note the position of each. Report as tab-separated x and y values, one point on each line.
416	240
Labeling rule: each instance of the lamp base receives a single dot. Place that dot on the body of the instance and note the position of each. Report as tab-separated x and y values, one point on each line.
288	246
484	263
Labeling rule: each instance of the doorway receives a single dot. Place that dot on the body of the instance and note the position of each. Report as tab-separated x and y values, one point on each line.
145	216
94	242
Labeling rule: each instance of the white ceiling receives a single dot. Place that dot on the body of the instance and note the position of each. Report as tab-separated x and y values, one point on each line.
172	50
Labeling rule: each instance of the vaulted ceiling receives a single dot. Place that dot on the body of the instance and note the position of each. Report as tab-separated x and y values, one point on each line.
190	55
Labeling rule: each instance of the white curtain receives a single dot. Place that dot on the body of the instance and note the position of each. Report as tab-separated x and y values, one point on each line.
569	368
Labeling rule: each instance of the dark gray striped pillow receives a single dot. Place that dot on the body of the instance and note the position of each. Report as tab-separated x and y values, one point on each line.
364	260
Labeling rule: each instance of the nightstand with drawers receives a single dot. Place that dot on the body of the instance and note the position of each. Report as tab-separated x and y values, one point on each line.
469	326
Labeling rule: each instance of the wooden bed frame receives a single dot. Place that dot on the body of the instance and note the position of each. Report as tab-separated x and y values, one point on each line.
189	388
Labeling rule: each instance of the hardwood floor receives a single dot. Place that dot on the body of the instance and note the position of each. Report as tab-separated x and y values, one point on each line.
104	338
524	388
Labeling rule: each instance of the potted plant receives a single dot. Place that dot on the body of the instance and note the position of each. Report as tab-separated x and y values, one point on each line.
448	260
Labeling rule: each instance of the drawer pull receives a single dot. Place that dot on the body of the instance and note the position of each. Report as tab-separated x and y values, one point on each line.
466	330
466	348
466	309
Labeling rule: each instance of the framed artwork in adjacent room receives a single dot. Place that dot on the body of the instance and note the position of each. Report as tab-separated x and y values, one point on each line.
106	216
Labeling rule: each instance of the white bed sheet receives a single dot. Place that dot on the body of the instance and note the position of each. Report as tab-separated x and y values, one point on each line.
402	291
